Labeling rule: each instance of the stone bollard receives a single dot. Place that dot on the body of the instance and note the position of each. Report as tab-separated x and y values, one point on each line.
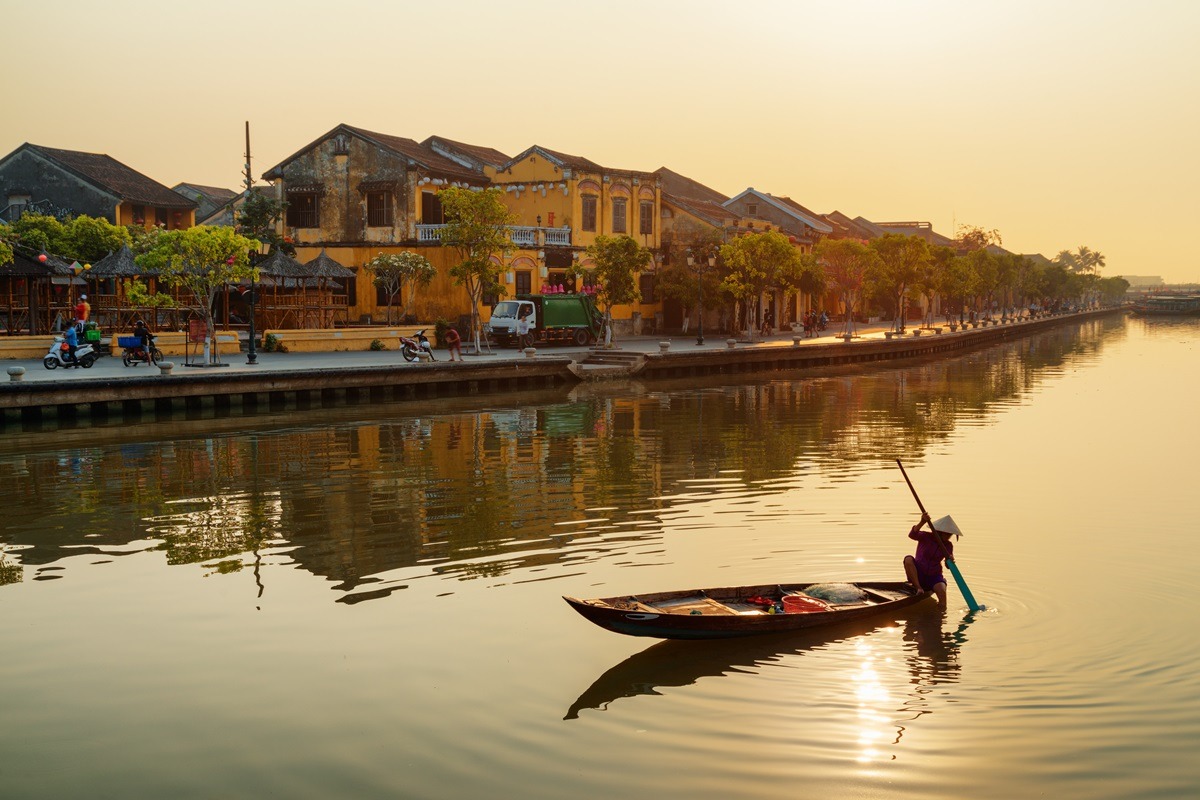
164	368
731	343
847	337
888	334
916	332
530	352
16	373
937	331
796	340
664	347
424	357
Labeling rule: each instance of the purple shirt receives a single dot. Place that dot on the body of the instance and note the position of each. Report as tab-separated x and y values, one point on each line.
929	555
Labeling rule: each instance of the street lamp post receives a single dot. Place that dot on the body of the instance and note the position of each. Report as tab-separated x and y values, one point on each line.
697	266
251	351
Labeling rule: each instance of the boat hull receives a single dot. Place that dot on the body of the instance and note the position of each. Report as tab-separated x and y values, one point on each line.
720	613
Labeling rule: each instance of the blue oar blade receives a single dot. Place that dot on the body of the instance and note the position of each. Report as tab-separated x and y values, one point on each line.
962	586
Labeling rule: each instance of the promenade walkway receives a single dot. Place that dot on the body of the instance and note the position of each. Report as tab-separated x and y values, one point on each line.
108	368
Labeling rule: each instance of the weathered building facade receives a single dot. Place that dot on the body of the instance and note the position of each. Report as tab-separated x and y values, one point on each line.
71	183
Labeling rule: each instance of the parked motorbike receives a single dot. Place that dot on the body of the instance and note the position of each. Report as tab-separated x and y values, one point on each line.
132	351
409	348
85	355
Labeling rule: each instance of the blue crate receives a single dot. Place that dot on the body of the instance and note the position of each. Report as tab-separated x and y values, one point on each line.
129	342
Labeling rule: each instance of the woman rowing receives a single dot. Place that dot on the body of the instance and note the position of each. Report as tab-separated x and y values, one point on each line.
924	570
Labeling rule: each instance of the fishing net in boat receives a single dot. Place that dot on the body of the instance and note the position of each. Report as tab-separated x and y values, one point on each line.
836	592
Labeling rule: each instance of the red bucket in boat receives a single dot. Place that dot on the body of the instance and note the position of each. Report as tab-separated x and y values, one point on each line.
802	604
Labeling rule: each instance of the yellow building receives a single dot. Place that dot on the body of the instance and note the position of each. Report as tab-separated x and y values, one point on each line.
357	193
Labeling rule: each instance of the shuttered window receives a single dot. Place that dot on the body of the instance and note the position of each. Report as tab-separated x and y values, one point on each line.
431	209
646	224
379	210
618	223
589	213
302	211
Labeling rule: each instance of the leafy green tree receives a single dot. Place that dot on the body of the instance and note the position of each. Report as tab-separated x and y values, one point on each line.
931	278
1083	260
986	271
676	280
400	275
40	232
6	253
258	219
970	238
202	260
1113	289
616	261
846	263
90	239
476	225
898	263
959	283
754	263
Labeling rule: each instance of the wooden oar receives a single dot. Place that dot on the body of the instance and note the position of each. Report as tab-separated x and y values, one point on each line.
958	578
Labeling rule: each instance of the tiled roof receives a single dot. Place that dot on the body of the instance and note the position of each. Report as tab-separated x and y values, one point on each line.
214	193
793	204
714	213
426	157
574	162
683	186
488	155
108	173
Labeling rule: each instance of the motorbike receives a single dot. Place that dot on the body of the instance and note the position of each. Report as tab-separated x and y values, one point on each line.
409	348
132	351
85	355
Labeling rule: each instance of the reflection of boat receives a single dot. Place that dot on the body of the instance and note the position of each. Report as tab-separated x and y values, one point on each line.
668	664
742	610
1169	304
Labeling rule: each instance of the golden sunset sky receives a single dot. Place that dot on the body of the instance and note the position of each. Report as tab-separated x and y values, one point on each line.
1058	123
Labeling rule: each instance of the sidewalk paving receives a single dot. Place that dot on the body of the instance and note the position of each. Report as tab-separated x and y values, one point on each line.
111	367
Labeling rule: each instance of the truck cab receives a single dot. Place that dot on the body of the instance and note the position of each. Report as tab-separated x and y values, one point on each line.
507	316
566	318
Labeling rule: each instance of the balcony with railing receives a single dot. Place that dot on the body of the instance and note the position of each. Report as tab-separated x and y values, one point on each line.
521	235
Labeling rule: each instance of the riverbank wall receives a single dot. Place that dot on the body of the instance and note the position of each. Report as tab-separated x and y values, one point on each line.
323	381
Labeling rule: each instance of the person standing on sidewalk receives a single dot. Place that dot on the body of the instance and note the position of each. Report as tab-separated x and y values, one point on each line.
453	343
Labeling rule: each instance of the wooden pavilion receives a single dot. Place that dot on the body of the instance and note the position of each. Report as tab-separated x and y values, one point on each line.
39	293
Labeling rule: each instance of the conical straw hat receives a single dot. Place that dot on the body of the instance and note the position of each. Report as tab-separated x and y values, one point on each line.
946	525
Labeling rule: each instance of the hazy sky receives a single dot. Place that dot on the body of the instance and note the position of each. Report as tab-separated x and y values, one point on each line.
1058	123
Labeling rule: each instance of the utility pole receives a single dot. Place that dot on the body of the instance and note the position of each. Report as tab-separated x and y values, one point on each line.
251	351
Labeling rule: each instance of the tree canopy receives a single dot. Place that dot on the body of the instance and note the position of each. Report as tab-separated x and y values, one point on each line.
399	275
476	225
616	261
203	260
756	262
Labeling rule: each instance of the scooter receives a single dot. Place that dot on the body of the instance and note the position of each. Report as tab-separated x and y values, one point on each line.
409	348
85	356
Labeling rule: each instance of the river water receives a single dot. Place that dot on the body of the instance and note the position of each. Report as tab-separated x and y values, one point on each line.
365	602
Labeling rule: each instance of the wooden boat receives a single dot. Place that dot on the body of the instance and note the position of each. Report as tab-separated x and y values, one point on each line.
742	610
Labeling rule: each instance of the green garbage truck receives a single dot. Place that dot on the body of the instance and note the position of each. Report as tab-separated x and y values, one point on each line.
544	319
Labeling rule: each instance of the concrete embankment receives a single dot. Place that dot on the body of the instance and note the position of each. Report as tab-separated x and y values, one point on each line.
330	379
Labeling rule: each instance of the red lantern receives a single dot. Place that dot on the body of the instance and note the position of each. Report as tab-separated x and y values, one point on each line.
42	258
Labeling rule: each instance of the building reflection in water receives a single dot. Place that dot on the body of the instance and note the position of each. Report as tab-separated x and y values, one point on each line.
370	499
